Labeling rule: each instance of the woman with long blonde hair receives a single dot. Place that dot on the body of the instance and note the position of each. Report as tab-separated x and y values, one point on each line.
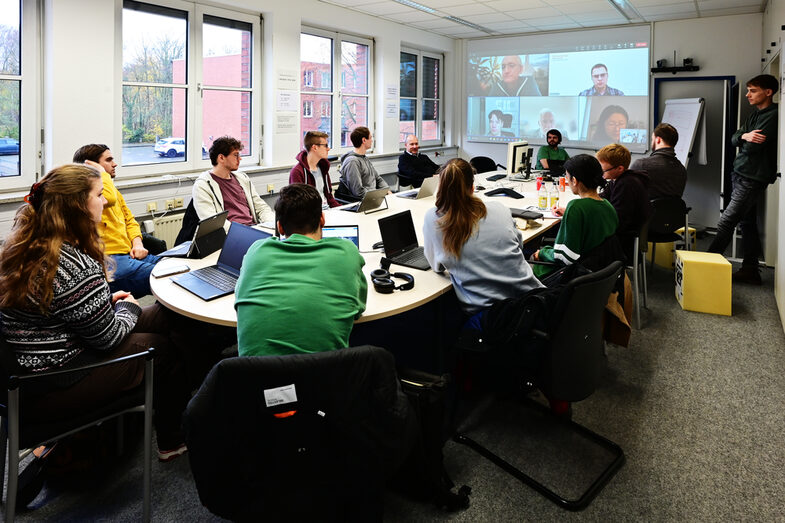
476	242
56	309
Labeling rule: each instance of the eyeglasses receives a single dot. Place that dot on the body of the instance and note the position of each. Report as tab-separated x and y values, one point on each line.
610	168
322	145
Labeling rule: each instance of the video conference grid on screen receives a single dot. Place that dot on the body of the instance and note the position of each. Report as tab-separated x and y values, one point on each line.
594	94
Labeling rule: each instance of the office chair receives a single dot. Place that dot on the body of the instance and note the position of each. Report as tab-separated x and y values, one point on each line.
299	437
569	370
483	164
640	247
19	431
669	214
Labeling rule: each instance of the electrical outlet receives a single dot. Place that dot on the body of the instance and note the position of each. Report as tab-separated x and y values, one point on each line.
270	188
152	206
170	204
178	202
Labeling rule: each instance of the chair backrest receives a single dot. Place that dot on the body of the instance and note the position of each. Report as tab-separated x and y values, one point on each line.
572	367
668	215
307	436
483	164
190	221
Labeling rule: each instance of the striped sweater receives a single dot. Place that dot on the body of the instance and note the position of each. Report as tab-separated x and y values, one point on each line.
81	316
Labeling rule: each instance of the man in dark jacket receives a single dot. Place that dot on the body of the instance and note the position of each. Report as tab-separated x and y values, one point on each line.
414	167
754	168
628	193
667	175
313	168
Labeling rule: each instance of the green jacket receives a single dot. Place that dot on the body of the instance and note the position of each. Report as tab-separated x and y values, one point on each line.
758	161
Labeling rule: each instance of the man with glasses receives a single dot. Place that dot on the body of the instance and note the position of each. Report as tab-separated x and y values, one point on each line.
514	82
313	168
225	188
599	76
627	191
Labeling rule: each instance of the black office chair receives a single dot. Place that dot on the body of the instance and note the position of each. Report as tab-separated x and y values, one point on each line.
298	438
638	268
569	370
668	215
19	431
483	164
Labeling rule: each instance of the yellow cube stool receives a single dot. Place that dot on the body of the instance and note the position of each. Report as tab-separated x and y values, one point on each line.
664	255
703	282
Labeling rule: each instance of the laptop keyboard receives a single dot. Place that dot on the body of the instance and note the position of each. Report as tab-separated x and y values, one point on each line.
411	256
408	194
352	207
216	278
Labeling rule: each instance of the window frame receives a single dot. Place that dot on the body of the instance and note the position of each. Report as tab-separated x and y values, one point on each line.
195	89
336	92
419	98
307	108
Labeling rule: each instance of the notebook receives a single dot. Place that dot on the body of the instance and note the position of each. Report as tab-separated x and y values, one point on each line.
347	232
220	279
400	241
428	188
206	239
371	201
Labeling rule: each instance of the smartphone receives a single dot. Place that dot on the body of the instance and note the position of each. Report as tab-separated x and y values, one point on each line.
160	272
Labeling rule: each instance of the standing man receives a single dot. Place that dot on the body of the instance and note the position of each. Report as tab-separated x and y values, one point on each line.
667	175
414	167
313	168
754	168
627	191
357	172
225	188
599	76
514	82
303	293
552	151
118	229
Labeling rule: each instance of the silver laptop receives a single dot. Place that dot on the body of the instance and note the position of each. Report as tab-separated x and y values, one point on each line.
372	201
220	279
347	232
428	188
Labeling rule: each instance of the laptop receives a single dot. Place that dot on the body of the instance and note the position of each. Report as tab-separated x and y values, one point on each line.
556	167
400	241
206	239
347	232
428	188
371	201
220	279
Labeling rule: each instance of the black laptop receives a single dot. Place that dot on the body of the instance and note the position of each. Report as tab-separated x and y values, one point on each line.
219	280
556	167
400	241
208	237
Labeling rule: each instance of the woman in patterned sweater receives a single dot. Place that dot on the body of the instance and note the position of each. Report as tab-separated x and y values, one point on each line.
56	309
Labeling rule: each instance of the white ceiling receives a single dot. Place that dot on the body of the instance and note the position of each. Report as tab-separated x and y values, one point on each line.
500	17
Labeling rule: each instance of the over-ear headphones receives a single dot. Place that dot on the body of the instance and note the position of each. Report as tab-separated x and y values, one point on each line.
383	282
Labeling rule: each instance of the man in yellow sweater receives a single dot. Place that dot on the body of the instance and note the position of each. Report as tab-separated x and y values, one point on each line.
119	230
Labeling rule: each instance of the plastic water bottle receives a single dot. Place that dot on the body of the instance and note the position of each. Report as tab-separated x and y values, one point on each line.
553	196
542	195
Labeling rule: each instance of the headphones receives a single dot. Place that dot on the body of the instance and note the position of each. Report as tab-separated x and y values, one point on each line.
383	282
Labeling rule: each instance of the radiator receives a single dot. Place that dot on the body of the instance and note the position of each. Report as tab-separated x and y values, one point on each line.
167	227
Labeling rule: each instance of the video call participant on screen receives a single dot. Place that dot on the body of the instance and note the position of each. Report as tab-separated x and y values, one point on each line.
514	82
599	76
313	168
414	166
552	151
754	168
627	191
303	293
476	242
119	231
357	172
495	124
609	125
225	188
586	222
667	175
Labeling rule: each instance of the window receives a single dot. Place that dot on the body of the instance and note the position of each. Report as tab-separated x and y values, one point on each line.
350	57
188	78
308	78
307	108
421	92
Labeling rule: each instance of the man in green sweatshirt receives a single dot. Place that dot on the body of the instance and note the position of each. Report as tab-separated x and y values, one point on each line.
754	169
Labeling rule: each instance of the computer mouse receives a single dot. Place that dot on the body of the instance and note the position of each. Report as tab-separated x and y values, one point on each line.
377	245
479	187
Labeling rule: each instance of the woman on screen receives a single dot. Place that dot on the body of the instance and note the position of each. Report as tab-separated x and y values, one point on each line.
476	242
611	121
495	123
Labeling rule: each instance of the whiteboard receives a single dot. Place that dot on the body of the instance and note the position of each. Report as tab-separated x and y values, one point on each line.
685	114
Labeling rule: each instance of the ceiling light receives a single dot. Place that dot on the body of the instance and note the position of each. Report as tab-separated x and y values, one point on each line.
467	24
626	9
415	5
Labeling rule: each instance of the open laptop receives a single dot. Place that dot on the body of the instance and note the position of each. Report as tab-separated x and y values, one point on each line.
206	239
428	188
220	279
347	232
400	241
556	167
371	201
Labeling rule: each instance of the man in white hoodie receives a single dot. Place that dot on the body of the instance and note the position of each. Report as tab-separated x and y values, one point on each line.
357	172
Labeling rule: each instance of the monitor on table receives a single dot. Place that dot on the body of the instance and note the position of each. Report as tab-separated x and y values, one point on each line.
517	156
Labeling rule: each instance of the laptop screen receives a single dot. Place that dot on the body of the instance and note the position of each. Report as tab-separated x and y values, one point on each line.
398	233
347	232
238	241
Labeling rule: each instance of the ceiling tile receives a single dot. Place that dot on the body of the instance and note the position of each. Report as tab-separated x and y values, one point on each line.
730	11
441	4
587	7
439	23
509	5
509	25
411	16
608	18
537	12
718	4
465	10
489	17
349	3
383	8
554	27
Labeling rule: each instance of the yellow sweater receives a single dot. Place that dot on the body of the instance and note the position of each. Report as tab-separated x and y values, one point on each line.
118	227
